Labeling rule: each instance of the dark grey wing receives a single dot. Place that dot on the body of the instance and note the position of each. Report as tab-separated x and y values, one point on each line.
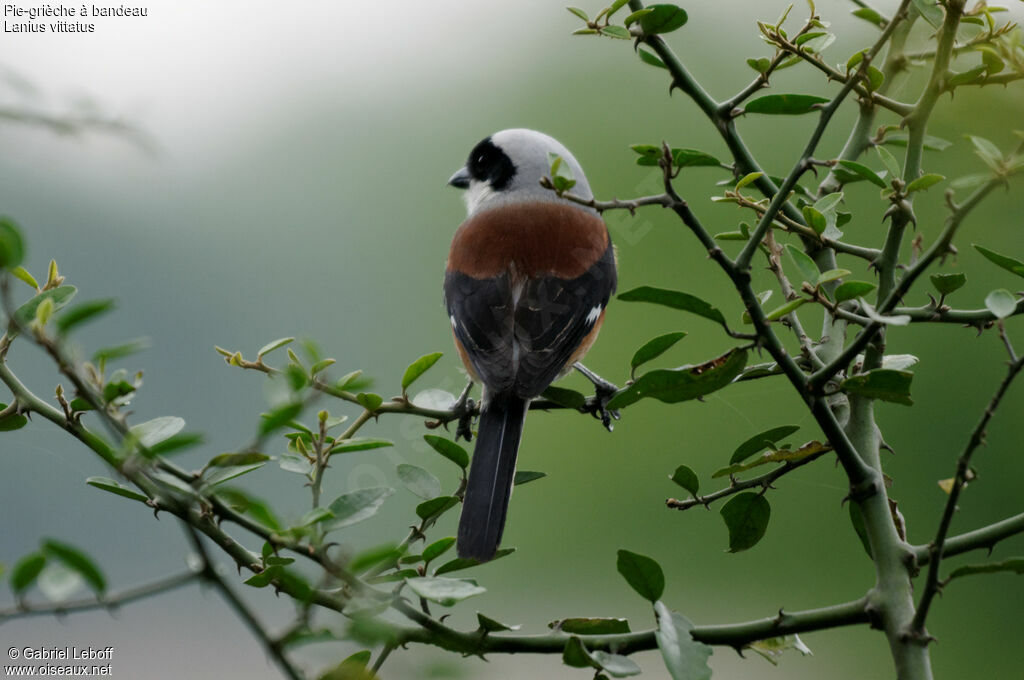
553	316
481	314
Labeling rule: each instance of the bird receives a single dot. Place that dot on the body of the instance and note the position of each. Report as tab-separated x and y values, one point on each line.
528	277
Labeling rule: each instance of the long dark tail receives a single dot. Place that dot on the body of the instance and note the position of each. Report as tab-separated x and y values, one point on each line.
490	477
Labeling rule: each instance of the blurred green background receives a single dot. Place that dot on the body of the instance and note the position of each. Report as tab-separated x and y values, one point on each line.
298	188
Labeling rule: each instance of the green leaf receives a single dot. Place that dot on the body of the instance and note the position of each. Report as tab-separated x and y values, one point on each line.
295	463
14	421
663	18
993	62
578	12
747	179
120	351
370	401
870	15
591	626
654	348
58	297
575	654
785	309
760	64
642	573
460	563
176	443
448	449
248	505
923	182
814	219
526	476
436	506
418	368
22	274
865	172
811	448
380	554
930	11
279	417
850	290
987	151
615	665
1001	302
114	487
947	283
804	264
563	397
685	158
78	562
931	143
875	78
785	104
561	174
613	31
489	625
746	515
236	459
82	313
686	478
221	475
635	16
1014	565
685	658
889	161
445	592
12	246
271	346
421	482
761	441
357	506
683	383
314	516
965	77
1007	263
832	275
675	300
772	648
26	571
881	383
650	58
154	431
438	548
359	444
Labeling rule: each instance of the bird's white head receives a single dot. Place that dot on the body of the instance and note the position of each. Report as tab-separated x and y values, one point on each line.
507	168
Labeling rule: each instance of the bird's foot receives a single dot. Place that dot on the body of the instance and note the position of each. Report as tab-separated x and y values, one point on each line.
603	393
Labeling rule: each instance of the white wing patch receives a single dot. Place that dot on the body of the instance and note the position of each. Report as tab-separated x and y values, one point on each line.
594	313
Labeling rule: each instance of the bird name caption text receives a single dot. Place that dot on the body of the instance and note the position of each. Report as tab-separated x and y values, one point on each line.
61	18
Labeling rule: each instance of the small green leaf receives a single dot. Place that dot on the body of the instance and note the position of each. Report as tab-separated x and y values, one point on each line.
314	516
675	300
235	459
436	506
685	658
448	449
851	290
615	665
1014	565
121	351
271	346
359	444
965	77
685	158
279	417
57	297
642	573
1007	263
419	481
575	654
654	348
875	78
650	58
686	478
370	401
154	431
930	11
248	505
814	219
832	275
785	309
26	570
1001	303
591	626
489	625
864	171
114	487
221	475
438	548
746	516
527	476
78	562
987	151
418	368
785	104
564	397
881	383
635	16
947	283
993	62
356	506
681	384
870	15
459	563
923	182
82	313
747	179
855	60
663	18
889	161
578	12
761	441
22	274
760	64
931	143
12	246
613	31
14	421
804	264
772	648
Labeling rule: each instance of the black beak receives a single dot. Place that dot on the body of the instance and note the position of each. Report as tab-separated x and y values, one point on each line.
460	180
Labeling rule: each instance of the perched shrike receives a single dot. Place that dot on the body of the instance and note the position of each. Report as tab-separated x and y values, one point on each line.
529	276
